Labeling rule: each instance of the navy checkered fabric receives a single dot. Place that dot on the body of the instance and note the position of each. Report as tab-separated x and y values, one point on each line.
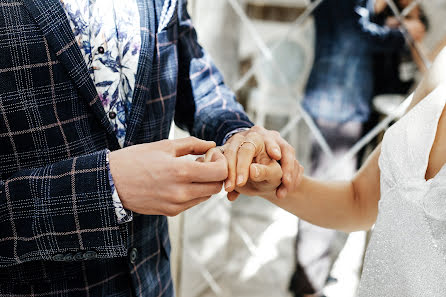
59	235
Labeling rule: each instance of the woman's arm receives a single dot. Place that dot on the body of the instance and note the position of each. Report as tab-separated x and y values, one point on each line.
347	206
352	205
433	78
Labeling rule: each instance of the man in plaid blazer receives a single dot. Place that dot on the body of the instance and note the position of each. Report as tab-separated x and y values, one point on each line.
61	161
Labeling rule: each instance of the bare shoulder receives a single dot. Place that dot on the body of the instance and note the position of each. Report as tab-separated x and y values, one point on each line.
437	157
435	76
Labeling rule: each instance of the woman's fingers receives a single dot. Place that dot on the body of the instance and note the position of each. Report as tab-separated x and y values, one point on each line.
231	157
214	154
232	196
250	148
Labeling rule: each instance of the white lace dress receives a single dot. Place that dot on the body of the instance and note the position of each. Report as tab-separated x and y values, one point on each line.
407	251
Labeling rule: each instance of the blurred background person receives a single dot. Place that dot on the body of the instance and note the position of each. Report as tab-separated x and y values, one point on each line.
395	71
338	97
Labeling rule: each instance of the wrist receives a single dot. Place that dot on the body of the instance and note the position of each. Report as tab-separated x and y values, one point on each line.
299	190
123	215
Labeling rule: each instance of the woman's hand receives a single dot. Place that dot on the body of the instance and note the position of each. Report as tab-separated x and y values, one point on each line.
265	176
241	149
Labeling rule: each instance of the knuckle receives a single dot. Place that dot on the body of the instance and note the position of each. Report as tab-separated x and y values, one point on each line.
166	143
181	173
291	151
216	188
231	151
191	139
247	149
180	196
172	210
169	170
238	137
254	134
256	128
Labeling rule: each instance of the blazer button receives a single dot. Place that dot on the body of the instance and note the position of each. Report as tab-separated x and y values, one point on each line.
68	258
58	257
79	257
90	255
101	50
133	255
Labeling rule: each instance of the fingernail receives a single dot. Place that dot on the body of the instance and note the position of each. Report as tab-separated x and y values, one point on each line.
282	194
240	179
256	171
276	151
228	185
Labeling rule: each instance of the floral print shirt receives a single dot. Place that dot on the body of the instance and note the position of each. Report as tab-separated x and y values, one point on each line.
109	37
110	41
108	34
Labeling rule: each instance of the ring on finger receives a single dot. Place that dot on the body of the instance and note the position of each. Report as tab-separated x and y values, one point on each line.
251	142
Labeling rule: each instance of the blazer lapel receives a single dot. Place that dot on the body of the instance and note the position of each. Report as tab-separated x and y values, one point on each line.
142	87
51	17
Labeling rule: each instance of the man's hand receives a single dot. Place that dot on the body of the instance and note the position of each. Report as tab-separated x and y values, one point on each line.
151	179
241	150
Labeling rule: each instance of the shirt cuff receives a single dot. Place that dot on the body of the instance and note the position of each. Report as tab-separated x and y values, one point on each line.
123	215
233	132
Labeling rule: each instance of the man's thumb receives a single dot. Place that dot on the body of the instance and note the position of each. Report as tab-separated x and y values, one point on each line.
258	172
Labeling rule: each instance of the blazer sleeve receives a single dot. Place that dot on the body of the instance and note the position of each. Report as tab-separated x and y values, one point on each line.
60	212
205	105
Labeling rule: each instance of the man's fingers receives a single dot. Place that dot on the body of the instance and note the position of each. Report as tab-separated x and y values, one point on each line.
287	163
273	148
250	147
191	145
201	172
202	189
208	156
214	154
194	202
298	176
263	158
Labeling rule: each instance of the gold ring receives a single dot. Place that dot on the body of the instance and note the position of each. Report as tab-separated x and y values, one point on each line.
251	142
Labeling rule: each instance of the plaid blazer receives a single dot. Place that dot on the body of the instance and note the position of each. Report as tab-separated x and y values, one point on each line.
59	234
